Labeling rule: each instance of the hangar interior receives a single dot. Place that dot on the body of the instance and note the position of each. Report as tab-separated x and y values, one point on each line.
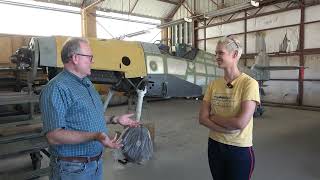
171	52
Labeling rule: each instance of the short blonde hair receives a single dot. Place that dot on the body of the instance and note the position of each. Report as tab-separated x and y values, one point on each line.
231	43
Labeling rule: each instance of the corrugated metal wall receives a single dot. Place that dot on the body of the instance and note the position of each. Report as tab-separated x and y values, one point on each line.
280	32
277	90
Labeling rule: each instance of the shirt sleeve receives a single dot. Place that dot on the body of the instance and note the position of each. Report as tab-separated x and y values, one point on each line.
53	108
251	91
208	94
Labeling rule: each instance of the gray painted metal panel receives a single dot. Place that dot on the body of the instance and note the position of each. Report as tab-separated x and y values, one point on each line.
48	51
150	48
166	85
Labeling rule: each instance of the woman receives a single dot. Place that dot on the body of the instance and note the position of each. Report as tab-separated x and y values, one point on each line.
227	110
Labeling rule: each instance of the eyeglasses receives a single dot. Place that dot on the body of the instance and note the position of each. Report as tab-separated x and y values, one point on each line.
86	55
233	41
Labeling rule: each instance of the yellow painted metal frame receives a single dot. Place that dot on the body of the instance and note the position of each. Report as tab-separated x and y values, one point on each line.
108	55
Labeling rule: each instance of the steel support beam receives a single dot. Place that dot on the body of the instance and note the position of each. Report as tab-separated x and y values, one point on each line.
194	34
134	5
38	7
170	2
193	30
267	29
173	12
245	37
311	51
214	2
127	13
249	17
205	37
188	9
301	60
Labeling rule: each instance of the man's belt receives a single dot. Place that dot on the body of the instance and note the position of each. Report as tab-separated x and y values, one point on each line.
80	159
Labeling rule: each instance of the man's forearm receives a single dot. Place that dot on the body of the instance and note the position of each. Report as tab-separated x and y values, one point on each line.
62	136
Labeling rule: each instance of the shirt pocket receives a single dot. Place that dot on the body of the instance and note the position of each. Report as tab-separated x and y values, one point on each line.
82	104
81	111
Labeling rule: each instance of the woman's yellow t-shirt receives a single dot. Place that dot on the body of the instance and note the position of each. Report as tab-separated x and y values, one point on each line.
226	102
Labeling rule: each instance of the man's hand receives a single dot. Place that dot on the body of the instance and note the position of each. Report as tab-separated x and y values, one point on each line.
125	120
105	140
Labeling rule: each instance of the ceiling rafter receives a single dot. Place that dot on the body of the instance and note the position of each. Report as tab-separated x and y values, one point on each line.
210	20
72	4
134	5
229	19
99	8
82	4
258	10
289	4
190	7
173	12
127	13
187	8
170	2
216	3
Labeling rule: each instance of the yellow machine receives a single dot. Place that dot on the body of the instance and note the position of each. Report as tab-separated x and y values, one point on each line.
110	55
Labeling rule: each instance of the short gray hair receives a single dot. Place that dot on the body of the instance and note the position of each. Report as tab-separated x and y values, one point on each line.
231	44
71	47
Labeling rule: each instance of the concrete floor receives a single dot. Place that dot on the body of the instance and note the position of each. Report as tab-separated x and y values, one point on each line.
286	145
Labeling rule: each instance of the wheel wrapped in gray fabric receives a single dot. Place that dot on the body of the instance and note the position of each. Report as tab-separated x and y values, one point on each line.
137	144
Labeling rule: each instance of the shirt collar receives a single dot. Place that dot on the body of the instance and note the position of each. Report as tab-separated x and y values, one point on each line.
85	81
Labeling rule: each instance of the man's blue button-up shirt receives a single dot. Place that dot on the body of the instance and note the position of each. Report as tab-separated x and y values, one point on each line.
72	103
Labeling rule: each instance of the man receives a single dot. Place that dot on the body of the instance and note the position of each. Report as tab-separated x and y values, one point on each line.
227	110
73	117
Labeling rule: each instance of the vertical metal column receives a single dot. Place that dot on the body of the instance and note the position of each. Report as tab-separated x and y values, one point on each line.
205	36
301	55
245	38
195	34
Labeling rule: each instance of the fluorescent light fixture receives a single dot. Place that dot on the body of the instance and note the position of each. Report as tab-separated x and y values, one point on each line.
137	33
133	34
231	9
